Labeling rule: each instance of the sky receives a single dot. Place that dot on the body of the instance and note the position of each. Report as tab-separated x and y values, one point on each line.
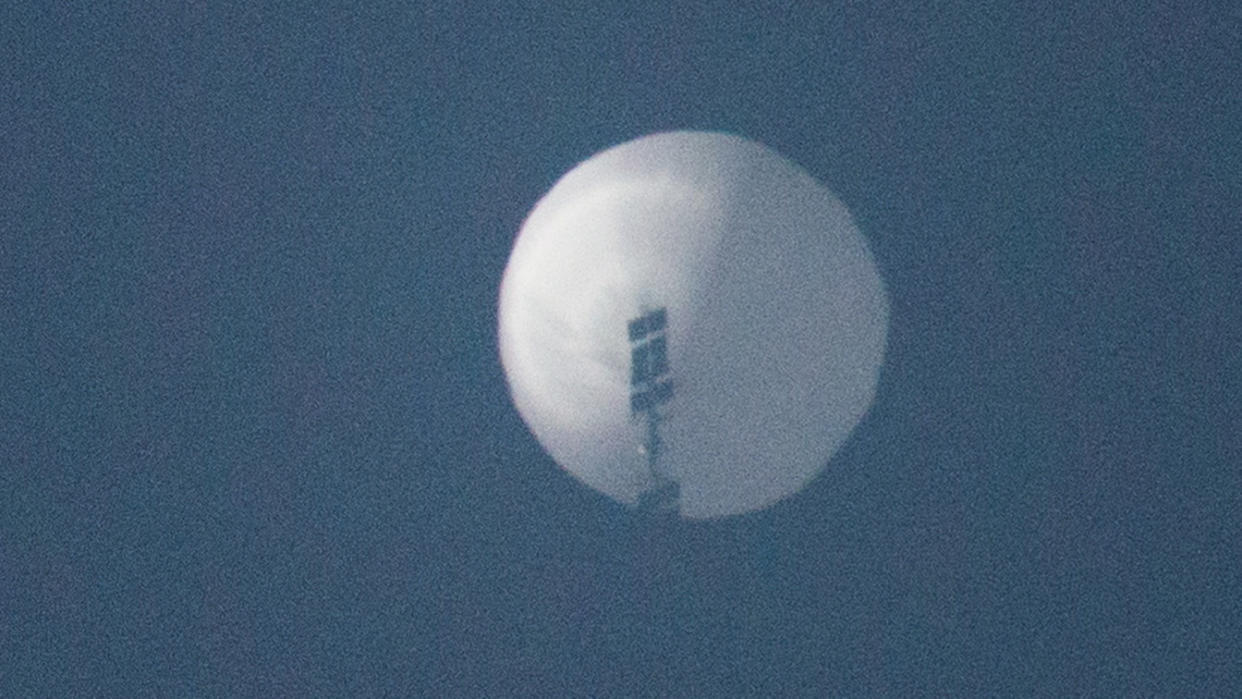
255	438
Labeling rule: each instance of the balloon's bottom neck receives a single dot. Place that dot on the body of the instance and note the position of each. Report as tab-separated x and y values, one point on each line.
664	496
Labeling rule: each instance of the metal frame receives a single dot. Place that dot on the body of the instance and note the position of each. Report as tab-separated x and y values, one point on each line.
651	388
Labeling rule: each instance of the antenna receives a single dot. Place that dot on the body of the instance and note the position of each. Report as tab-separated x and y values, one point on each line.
650	388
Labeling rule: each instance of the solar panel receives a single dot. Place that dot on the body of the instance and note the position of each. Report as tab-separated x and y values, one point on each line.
647	399
650	388
648	361
648	324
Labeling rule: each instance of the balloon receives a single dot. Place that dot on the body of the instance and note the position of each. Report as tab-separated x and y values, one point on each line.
691	315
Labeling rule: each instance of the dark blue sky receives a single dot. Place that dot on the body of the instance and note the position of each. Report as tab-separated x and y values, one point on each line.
255	438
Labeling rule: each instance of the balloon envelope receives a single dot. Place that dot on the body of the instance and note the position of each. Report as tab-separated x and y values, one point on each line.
776	320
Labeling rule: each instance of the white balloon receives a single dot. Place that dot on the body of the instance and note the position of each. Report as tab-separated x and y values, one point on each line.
776	320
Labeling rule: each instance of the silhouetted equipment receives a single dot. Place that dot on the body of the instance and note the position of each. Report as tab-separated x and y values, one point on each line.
650	388
648	324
